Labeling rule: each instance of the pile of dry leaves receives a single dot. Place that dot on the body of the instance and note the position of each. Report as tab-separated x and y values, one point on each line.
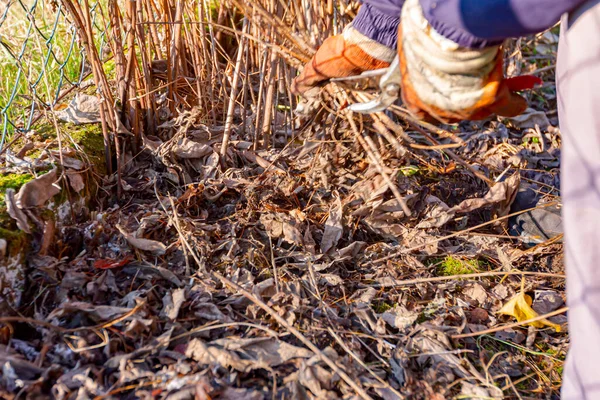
357	257
296	272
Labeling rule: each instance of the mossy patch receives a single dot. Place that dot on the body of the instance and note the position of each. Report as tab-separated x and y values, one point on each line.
88	137
89	141
11	181
381	306
17	241
110	67
451	266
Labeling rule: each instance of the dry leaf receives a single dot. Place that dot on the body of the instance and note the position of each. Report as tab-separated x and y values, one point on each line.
76	181
83	109
266	164
333	228
278	225
519	307
15	212
264	351
98	313
501	194
172	303
530	118
37	192
69	162
244	354
399	317
547	301
186	148
154	247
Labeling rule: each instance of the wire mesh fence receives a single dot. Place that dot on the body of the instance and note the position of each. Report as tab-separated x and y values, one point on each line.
41	60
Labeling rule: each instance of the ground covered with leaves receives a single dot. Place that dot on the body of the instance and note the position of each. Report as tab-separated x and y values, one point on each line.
359	257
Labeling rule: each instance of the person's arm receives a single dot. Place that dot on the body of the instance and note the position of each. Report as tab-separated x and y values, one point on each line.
481	23
370	42
379	20
451	56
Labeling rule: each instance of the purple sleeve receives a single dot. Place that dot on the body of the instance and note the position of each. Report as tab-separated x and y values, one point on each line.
379	20
389	7
479	23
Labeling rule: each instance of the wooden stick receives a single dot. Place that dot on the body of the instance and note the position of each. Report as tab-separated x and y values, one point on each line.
234	91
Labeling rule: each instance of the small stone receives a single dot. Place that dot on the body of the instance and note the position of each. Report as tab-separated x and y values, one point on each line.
479	316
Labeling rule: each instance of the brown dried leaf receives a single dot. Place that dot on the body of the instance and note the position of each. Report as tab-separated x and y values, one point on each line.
76	181
15	212
265	351
172	303
206	354
438	215
333	228
241	394
153	246
530	118
99	313
502	193
83	109
400	318
280	225
37	192
547	301
244	354
186	149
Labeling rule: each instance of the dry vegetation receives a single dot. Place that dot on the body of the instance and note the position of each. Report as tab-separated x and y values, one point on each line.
235	252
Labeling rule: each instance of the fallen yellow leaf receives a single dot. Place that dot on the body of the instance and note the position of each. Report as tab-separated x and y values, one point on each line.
520	308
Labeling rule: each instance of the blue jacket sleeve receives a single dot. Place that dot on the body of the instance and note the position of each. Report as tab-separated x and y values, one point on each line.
389	7
379	20
479	23
470	23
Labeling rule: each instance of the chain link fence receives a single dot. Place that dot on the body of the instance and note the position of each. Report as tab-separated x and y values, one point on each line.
41	60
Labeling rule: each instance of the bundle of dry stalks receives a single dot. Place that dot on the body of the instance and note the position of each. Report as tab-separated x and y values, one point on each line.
233	60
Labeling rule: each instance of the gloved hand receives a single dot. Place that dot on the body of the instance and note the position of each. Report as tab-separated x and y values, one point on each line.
348	54
449	83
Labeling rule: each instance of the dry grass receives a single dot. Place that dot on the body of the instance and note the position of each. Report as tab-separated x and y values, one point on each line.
40	58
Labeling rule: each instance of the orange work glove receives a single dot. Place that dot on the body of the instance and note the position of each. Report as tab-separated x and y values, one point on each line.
340	56
449	83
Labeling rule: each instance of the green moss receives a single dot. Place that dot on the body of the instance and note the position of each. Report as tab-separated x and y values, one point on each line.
381	306
110	68
11	181
451	266
17	241
14	181
409	171
89	137
213	7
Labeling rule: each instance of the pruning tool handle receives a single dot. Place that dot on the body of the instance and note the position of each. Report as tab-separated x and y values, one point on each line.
390	90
